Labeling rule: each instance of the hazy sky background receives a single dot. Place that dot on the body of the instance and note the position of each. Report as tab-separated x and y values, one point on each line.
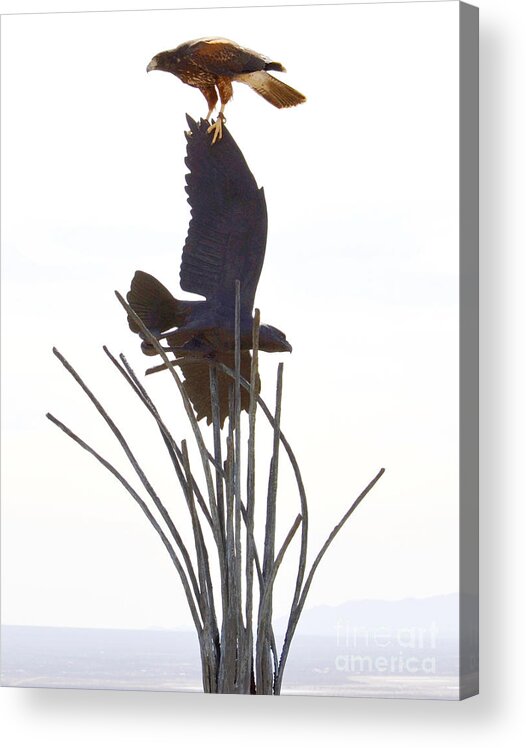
361	272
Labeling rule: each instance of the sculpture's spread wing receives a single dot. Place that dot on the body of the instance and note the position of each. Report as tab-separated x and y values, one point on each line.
197	384
228	229
224	57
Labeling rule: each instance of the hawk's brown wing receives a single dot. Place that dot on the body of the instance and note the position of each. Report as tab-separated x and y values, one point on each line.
224	57
228	230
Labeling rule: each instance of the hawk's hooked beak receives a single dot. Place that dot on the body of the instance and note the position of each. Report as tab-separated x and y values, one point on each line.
152	65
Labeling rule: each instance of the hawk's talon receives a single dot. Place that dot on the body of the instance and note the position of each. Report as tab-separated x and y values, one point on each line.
217	127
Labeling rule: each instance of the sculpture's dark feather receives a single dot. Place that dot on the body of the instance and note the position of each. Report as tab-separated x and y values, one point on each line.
197	384
155	305
228	230
226	242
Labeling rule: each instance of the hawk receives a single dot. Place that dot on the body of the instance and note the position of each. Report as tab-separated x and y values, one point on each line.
212	64
226	242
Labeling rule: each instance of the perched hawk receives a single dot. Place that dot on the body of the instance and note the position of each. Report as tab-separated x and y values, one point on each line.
212	64
226	242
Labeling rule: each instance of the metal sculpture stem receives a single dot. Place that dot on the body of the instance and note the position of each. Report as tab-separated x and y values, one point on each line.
240	655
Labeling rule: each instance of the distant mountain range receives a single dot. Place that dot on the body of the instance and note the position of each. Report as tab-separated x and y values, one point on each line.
439	611
405	648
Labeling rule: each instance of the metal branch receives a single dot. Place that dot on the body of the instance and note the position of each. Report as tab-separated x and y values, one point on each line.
193	422
265	681
172	445
147	512
248	515
295	614
131	457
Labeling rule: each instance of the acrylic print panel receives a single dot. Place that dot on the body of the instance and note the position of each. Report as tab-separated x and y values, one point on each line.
361	272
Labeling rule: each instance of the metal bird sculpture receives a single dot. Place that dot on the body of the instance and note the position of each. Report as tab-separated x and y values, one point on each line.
212	64
226	242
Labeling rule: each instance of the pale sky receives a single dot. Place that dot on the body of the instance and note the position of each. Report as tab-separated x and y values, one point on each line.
361	272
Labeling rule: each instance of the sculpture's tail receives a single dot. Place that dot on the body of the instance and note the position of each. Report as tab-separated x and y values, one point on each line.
273	90
155	305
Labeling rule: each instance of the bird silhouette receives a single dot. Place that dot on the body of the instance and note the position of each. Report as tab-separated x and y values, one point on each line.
225	243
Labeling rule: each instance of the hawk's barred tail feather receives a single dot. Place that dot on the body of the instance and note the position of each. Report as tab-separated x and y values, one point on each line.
273	90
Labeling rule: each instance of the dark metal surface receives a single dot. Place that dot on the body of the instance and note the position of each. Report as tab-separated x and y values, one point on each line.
226	242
